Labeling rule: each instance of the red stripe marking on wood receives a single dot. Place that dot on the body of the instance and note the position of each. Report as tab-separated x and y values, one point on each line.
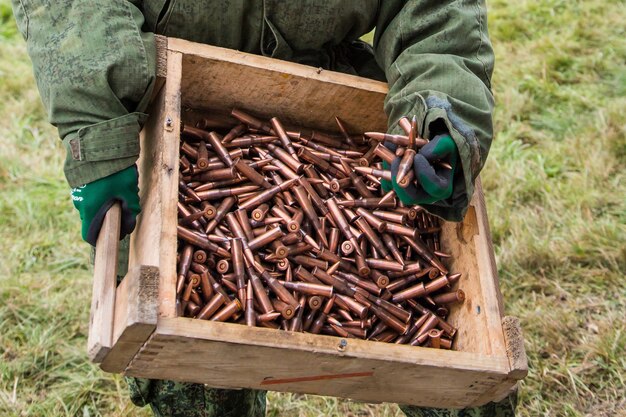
315	378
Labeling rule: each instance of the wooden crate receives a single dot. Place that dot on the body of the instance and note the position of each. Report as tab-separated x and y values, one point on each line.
149	340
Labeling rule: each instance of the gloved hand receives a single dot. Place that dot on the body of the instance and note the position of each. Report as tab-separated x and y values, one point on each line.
432	182
94	199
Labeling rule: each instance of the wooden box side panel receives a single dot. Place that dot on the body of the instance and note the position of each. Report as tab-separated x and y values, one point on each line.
230	355
154	240
479	317
221	79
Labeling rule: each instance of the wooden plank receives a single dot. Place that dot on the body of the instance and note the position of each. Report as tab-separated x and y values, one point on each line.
154	240
469	317
136	307
518	362
231	355
494	308
220	79
99	341
169	186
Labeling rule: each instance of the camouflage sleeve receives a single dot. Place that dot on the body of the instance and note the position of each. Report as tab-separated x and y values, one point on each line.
95	69
438	62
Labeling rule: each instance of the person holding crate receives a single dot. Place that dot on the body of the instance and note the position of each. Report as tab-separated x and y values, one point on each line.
95	67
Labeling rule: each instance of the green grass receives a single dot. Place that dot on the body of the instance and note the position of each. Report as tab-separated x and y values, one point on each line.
556	192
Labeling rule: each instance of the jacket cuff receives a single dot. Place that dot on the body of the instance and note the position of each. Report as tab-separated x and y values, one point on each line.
102	149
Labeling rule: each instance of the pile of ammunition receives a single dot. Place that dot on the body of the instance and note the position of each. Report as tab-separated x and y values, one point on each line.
291	230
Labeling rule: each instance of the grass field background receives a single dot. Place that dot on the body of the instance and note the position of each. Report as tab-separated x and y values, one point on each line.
555	189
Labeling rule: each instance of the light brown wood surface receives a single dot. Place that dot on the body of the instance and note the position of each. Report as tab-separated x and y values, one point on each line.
99	341
211	81
136	307
154	241
231	355
220	79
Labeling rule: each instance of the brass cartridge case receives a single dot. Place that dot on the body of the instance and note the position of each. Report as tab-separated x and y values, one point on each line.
311	174
205	285
300	193
250	314
390	216
365	284
422	334
222	266
267	317
277	288
296	323
302	274
410	269
201	241
228	311
384	153
251	121
225	192
202	162
235	132
352	305
425	253
250	173
261	296
292	225
314	302
374	202
390	320
266	195
317	324
378	224
309	288
310	262
405	124
321	164
361	266
384	264
286	157
381	280
445	326
347	248
285	310
199	256
185	260
266	238
282	135
417	290
401	230
260	212
405	338
379	173
234	226
211	307
436	284
243	220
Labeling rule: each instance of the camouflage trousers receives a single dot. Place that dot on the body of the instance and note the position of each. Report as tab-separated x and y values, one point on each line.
180	399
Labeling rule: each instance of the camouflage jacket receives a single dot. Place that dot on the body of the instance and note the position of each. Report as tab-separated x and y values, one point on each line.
94	62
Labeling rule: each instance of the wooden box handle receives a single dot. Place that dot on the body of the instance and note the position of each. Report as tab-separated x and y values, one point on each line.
101	319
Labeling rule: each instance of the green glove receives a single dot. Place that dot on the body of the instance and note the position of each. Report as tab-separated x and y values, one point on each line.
94	199
433	182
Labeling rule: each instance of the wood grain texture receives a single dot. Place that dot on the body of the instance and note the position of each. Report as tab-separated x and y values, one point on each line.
99	341
136	307
214	80
154	241
220	79
230	355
